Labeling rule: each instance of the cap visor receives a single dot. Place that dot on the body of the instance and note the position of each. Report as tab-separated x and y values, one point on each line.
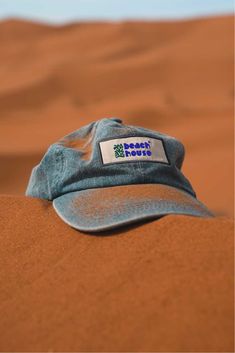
96	210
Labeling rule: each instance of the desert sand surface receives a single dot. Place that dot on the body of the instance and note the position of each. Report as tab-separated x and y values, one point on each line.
163	285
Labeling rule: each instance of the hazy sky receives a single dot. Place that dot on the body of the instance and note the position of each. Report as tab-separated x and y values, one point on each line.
67	10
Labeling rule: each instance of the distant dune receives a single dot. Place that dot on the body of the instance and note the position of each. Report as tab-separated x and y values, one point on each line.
175	77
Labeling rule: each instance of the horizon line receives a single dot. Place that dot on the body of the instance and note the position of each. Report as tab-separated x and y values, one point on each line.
42	21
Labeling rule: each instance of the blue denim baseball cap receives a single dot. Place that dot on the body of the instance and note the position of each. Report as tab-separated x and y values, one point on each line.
107	174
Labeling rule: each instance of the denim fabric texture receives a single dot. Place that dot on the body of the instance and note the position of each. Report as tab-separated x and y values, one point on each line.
74	166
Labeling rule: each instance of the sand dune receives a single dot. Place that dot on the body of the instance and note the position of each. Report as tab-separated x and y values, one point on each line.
175	77
165	285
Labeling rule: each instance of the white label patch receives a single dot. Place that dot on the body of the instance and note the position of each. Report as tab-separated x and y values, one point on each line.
133	149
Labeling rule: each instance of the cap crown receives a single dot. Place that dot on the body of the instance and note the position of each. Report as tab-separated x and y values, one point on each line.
108	153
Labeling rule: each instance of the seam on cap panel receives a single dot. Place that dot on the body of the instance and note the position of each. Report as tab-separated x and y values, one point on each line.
59	166
91	138
63	164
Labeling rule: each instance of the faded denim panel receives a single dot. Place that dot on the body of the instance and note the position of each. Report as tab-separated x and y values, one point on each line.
74	163
96	210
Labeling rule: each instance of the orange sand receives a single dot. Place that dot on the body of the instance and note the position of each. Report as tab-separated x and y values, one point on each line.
165	285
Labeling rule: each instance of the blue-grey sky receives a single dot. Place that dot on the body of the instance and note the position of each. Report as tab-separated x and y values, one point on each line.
71	10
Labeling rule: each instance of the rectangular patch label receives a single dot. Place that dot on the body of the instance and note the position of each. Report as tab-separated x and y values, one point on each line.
133	149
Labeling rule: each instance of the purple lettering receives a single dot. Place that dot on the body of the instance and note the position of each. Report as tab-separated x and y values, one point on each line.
127	153
147	145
